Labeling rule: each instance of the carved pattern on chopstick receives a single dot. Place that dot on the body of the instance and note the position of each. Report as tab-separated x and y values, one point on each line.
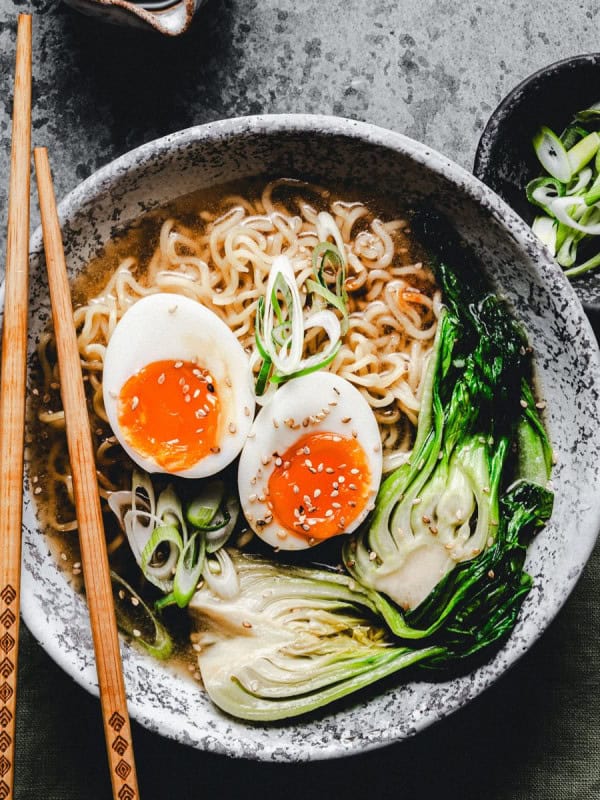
116	722
7	618
8	594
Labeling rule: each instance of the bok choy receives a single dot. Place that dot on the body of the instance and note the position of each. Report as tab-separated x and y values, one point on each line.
443	507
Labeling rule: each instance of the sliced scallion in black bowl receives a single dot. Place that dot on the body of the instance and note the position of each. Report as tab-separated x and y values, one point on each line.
506	158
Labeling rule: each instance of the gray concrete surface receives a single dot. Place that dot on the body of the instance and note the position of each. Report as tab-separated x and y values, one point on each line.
432	70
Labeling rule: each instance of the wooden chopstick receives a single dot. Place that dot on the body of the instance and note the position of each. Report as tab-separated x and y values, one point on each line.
12	401
94	557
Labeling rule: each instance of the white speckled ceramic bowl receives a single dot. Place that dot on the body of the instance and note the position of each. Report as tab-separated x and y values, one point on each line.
567	359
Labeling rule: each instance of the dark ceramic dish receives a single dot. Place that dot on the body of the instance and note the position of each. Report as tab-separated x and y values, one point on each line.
505	159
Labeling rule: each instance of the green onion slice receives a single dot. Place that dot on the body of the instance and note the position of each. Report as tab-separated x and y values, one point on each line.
221	576
217	538
545	229
572	134
566	209
162	535
203	508
582	153
579	182
541	191
283	281
189	569
593	194
136	619
552	154
591	114
581	269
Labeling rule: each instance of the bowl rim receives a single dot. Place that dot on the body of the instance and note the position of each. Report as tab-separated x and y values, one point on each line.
515	227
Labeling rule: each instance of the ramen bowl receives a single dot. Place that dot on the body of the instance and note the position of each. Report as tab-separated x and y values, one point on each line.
330	150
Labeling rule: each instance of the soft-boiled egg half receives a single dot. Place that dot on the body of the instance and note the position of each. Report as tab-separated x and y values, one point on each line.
311	466
177	387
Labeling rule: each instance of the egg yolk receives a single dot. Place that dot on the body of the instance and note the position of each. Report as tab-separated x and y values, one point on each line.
169	411
319	485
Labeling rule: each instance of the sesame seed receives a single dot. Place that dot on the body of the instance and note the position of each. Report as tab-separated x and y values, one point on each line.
77	565
308	463
246	411
346	419
281	534
136	632
178	364
305	527
252	497
329	512
334	493
305	422
341	479
35	392
135	601
215	450
265	460
491	574
355	434
372	555
121	594
37	490
188	398
523	403
63	556
336	505
329	470
278	461
317	493
296	489
416	501
354	471
232	428
352	487
228	383
246	624
433	529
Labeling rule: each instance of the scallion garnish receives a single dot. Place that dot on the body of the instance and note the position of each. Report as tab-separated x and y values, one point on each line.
570	194
282	321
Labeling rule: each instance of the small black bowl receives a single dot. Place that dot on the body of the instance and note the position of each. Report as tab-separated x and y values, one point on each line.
505	159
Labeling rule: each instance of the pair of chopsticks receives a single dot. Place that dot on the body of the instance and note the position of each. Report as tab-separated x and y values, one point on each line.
94	557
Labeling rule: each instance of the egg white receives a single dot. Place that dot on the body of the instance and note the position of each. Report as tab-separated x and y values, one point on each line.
173	327
319	402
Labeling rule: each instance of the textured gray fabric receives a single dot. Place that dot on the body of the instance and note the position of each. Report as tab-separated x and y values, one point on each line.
433	70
